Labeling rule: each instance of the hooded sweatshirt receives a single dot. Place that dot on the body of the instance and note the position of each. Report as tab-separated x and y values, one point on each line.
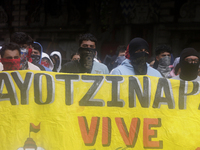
46	69
45	55
58	64
127	69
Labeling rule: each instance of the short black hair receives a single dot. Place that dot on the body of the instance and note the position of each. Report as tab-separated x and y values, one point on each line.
21	38
9	46
36	47
162	48
87	37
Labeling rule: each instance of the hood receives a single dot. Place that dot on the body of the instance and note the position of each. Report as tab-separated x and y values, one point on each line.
51	65
59	55
41	50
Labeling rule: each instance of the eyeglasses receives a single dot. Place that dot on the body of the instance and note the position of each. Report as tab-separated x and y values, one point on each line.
189	60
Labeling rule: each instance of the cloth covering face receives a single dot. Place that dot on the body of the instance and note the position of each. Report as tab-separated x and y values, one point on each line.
86	59
163	66
189	71
10	64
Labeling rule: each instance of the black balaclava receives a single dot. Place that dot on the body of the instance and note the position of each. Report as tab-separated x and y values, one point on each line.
86	59
138	60
189	71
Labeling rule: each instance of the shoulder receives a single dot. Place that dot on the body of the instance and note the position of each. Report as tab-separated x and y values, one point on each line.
153	72
176	77
70	67
32	66
116	71
99	68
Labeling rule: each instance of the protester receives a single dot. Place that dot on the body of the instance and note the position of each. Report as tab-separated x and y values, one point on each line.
24	41
10	57
189	64
46	61
163	60
120	56
86	64
135	64
57	60
37	50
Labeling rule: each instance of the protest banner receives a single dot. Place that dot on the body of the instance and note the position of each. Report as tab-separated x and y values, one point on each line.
56	111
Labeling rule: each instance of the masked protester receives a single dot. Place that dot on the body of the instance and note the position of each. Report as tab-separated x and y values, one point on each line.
163	66
57	60
46	61
136	56
163	60
189	65
36	56
86	64
10	57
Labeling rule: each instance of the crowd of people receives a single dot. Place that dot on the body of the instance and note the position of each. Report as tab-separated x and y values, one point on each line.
23	53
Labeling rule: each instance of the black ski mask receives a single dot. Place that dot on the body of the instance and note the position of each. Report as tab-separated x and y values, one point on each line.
138	60
189	71
86	59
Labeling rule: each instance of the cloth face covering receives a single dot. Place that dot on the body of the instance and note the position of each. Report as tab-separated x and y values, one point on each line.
35	59
10	64
86	59
24	61
189	71
44	63
138	61
163	66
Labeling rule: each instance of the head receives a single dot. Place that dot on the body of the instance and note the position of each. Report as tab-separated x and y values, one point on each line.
22	39
162	51
75	56
138	45
121	50
46	61
10	56
189	64
36	49
139	51
87	41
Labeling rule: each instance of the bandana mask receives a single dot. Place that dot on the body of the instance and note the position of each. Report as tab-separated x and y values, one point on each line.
24	61
138	61
10	64
35	59
86	59
163	66
44	63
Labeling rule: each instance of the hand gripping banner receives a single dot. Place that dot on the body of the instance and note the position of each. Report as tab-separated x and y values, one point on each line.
56	111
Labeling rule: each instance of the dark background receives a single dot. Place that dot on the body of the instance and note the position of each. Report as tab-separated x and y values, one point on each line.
57	24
